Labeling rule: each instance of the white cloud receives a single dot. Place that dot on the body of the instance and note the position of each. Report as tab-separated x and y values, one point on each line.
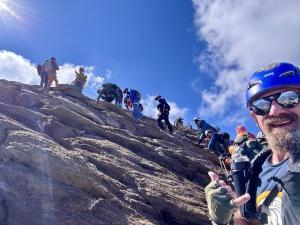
150	108
95	81
66	74
242	36
17	68
108	74
235	118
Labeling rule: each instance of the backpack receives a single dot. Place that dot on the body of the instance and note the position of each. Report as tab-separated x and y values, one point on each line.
141	107
47	66
108	89
249	209
167	107
119	95
135	95
39	69
110	86
249	148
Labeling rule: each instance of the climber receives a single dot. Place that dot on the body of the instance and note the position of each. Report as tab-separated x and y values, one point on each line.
261	138
202	127
132	102
127	102
242	133
178	124
219	142
43	75
50	67
80	79
163	113
245	144
110	92
249	148
266	191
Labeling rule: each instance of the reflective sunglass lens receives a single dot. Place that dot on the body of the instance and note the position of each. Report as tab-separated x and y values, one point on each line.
288	99
259	112
261	106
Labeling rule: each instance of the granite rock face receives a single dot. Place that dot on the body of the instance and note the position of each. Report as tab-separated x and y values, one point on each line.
66	159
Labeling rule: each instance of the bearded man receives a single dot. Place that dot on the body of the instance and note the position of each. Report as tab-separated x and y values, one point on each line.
273	187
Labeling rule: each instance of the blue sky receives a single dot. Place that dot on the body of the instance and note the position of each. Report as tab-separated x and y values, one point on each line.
187	51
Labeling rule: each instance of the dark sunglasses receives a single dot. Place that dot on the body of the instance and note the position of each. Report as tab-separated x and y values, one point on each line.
286	99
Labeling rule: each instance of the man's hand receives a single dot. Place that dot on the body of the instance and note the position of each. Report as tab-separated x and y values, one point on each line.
222	200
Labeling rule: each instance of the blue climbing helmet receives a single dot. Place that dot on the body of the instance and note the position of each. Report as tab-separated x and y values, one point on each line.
271	77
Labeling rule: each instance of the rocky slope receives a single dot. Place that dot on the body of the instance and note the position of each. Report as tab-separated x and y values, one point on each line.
65	159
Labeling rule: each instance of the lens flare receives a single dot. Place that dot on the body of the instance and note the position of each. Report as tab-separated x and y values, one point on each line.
7	10
4	7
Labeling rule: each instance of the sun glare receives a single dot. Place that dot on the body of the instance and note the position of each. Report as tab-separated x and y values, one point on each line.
6	10
4	6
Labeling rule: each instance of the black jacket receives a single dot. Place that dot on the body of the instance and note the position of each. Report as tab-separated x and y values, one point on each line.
163	107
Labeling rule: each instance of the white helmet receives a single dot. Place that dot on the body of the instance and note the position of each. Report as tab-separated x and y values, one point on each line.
260	135
207	132
196	119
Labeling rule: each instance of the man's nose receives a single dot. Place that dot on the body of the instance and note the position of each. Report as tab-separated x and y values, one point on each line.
276	109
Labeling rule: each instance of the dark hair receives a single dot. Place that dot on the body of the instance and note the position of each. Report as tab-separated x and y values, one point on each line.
226	136
157	97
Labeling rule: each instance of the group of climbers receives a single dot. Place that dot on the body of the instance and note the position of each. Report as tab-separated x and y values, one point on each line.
245	143
110	92
265	190
218	141
132	102
48	74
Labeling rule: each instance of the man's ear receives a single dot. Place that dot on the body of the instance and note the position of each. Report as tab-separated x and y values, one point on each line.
253	115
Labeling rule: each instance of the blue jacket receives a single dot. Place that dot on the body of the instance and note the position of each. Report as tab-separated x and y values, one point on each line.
217	143
134	95
203	126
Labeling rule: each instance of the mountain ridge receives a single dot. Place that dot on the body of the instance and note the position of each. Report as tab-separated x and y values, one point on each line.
67	159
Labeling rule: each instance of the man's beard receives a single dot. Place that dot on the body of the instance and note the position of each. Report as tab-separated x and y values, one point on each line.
283	140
